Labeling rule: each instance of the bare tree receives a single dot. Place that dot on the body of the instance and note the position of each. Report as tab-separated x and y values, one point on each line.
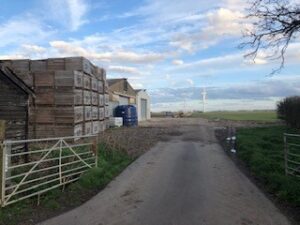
274	24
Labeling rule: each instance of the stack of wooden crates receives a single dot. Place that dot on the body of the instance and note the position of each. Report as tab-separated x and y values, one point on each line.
71	96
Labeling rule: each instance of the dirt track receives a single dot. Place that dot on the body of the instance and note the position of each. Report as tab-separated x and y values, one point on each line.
187	180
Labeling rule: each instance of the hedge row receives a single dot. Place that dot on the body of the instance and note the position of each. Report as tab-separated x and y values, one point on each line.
288	110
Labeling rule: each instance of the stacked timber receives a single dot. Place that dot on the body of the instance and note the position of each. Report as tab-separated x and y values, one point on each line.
70	96
106	107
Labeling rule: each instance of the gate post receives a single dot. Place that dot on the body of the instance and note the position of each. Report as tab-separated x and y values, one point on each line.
2	162
285	154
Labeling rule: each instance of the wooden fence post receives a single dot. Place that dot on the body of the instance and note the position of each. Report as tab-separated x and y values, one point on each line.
2	162
95	150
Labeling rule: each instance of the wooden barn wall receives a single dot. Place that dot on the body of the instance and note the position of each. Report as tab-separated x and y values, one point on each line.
13	109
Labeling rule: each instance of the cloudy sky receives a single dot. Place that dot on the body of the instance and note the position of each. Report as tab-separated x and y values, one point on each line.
171	48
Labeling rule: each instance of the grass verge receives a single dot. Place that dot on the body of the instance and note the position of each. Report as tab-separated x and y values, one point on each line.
262	151
259	116
110	164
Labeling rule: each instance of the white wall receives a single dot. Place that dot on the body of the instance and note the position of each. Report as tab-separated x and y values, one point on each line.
143	95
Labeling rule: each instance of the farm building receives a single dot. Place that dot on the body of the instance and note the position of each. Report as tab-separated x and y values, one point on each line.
70	96
143	104
120	93
14	105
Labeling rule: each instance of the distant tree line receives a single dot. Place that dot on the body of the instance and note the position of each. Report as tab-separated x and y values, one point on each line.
288	110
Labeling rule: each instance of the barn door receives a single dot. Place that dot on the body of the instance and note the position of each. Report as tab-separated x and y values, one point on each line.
143	109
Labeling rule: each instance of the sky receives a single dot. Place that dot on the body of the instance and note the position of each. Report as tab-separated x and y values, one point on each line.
171	48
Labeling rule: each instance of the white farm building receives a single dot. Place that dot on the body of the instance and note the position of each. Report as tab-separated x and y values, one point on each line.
143	104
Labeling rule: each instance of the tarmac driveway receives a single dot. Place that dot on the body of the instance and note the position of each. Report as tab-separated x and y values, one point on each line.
188	180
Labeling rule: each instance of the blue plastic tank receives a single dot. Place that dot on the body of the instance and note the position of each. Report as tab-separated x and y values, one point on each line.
128	113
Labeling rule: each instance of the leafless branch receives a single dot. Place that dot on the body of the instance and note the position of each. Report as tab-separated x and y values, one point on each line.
275	24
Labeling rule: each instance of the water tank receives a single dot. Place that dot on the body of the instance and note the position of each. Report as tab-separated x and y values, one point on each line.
128	113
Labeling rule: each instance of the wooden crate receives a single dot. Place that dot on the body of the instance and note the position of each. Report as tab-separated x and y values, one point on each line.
68	78
44	96
44	131
87	82
20	64
102	126
94	84
56	64
101	113
106	111
26	77
101	100
99	73
78	130
44	78
43	115
88	128
95	113
103	74
107	124
87	113
65	78
78	63
95	127
7	63
38	65
100	86
105	84
95	100
78	97
64	130
106	99
64	97
79	114
78	79
68	115
87	97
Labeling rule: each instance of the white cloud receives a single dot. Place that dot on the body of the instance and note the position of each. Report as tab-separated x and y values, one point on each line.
11	56
217	105
136	85
255	95
124	69
178	62
71	13
34	48
23	30
220	61
224	22
78	9
190	82
212	27
68	48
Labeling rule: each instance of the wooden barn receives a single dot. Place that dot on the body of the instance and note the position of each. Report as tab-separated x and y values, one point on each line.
14	104
120	93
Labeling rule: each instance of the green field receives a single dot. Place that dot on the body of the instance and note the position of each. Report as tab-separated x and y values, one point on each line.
262	151
261	116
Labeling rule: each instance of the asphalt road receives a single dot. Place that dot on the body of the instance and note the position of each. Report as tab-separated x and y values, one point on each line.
188	180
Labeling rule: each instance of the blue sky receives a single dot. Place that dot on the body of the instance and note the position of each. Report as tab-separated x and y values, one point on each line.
171	48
